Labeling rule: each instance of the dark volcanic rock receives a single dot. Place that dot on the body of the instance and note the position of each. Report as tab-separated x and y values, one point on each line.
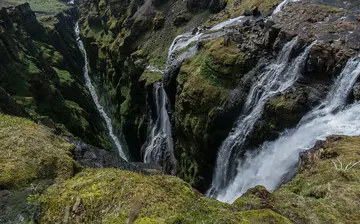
92	157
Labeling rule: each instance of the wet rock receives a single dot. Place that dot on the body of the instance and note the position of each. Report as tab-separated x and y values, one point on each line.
356	91
255	12
180	20
247	12
92	157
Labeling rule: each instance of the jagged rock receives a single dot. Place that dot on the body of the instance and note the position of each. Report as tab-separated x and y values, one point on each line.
9	106
41	66
92	157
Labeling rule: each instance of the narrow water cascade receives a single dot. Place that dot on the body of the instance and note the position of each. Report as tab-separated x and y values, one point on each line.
187	45
282	5
94	95
271	163
276	78
159	149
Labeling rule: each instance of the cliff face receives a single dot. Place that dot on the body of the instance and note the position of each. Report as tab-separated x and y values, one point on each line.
41	72
122	38
42	177
208	92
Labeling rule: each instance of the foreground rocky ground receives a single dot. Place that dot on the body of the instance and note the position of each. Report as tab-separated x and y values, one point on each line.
44	172
33	159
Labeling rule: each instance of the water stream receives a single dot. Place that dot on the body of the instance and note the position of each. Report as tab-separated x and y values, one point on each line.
276	78
95	96
159	149
270	164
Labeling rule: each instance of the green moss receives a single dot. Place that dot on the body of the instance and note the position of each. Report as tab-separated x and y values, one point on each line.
28	103
112	196
53	57
235	8
150	77
64	76
264	216
320	193
189	169
41	6
29	153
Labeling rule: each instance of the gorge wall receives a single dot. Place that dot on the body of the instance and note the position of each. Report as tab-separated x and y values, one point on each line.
207	93
127	43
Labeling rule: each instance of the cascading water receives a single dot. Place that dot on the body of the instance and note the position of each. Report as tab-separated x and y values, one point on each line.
273	161
94	95
160	147
282	5
275	78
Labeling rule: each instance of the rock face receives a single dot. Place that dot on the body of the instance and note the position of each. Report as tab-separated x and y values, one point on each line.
209	90
212	86
121	38
92	157
45	179
41	73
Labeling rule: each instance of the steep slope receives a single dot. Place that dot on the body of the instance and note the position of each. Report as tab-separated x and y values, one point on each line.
206	95
41	69
31	158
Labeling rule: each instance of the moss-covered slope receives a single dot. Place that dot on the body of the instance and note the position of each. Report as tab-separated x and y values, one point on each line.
31	158
30	153
41	69
113	196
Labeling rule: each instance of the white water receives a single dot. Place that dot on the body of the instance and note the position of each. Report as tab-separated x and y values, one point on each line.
282	5
276	78
160	146
94	95
271	163
190	41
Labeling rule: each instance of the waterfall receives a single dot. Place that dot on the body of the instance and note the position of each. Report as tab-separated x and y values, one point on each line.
282	4
160	146
273	161
275	78
191	41
94	95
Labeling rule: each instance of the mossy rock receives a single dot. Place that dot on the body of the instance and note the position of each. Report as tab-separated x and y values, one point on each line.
113	196
205	82
150	77
321	192
30	153
236	8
